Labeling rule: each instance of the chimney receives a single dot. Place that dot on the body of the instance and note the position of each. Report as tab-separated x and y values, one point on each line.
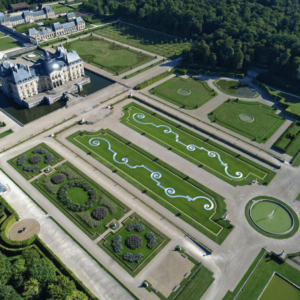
28	69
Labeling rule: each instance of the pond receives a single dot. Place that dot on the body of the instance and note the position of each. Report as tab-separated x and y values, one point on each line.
236	88
27	115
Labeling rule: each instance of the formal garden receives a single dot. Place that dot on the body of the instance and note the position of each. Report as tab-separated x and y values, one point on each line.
30	163
216	159
179	276
135	244
289	142
261	124
107	55
145	39
29	269
264	284
184	196
6	133
272	217
188	93
82	200
8	43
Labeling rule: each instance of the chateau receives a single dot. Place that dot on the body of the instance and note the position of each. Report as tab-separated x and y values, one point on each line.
48	79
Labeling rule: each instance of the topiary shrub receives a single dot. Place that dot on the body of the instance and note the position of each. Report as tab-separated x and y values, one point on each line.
30	168
116	243
151	240
134	241
128	256
135	226
100	213
86	217
111	207
21	160
39	150
49	186
59	178
69	173
35	159
49	158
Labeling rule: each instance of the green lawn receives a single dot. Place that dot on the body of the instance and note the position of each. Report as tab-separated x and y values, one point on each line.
200	92
147	40
134	268
250	170
112	57
6	133
143	70
7	43
60	7
2	34
28	175
139	174
78	195
259	279
265	123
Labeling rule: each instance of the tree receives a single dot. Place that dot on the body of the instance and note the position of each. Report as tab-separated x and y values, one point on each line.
19	270
76	295
43	270
31	288
106	10
61	287
7	292
30	255
5	270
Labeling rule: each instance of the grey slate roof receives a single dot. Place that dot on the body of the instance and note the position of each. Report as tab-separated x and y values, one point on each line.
78	20
68	25
47	8
71	15
32	31
57	26
2	17
15	18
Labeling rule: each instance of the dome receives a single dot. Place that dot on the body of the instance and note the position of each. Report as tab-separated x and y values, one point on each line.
50	66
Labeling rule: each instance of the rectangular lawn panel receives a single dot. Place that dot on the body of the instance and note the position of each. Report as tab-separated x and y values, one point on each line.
193	202
7	43
179	144
259	279
133	268
147	40
80	196
101	53
28	175
188	93
265	123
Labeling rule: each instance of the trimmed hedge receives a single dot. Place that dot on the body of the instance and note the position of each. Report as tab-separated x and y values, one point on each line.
184	71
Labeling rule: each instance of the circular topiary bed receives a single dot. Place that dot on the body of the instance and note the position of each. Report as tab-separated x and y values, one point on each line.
63	197
134	241
184	92
246	118
58	178
100	213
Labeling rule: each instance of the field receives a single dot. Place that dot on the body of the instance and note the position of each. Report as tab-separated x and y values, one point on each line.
7	43
168	186
6	133
112	57
2	34
192	285
236	163
79	196
28	175
292	101
197	92
264	125
133	268
145	39
269	264
59	7
143	70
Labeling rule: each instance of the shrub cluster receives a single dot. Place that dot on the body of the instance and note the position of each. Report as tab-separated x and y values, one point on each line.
135	226
111	207
100	213
133	257
69	173
21	160
134	241
58	178
92	194
86	217
30	168
116	243
151	240
39	150
49	186
35	159
49	158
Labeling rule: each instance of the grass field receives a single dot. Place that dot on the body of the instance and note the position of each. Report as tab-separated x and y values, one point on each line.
259	279
28	175
134	268
250	170
143	70
193	211
265	123
2	34
8	43
60	7
200	92
111	56
6	133
78	195
145	39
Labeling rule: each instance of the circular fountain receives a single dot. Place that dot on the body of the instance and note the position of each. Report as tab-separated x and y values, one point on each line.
272	217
